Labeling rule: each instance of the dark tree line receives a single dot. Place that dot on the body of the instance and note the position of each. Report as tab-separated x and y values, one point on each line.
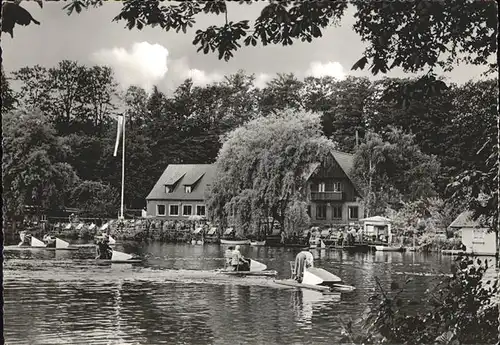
73	102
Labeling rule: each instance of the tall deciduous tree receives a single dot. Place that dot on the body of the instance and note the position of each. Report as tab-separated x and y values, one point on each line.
263	167
392	169
76	97
9	100
34	165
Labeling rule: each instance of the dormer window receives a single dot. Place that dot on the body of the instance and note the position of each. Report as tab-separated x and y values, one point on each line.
168	189
187	189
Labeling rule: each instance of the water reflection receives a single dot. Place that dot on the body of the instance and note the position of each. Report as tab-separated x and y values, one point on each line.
306	301
64	298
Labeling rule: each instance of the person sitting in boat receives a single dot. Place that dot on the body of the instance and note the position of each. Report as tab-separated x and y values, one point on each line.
49	241
104	251
25	239
228	255
303	260
238	262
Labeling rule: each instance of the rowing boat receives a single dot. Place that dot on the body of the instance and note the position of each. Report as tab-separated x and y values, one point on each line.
258	243
390	248
234	242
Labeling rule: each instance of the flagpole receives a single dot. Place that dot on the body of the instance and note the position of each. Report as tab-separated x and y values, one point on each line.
123	166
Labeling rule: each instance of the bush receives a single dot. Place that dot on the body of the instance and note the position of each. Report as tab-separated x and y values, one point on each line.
460	310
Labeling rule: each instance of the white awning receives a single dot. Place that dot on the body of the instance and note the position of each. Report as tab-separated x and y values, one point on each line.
91	226
198	230
79	226
212	231
105	226
68	226
325	232
228	231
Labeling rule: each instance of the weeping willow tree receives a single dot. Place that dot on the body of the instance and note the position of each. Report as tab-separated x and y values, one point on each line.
262	170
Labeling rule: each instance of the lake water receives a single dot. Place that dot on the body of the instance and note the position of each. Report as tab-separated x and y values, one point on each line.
65	298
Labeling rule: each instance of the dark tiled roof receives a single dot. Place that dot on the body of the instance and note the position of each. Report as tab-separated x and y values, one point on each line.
189	174
464	220
346	162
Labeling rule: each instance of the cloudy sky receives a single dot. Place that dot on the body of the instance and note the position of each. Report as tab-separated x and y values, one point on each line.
154	57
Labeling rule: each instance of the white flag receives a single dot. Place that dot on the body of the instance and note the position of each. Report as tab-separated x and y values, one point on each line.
119	130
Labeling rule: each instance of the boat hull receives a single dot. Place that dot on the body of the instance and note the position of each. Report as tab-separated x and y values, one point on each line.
337	287
63	249
258	243
131	261
234	242
388	249
271	273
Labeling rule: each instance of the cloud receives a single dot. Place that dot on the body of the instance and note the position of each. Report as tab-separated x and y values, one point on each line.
201	78
261	80
330	69
143	65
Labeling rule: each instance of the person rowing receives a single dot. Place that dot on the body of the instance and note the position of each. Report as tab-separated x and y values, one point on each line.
303	260
238	262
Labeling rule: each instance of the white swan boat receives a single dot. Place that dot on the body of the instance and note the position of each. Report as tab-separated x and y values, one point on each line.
318	279
120	258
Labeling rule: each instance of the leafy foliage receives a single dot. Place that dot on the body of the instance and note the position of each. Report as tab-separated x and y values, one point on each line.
391	169
35	171
13	13
410	35
461	309
95	199
76	97
262	168
9	100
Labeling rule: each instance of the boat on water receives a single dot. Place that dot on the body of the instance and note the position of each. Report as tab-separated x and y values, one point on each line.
234	242
120	258
453	252
255	269
29	242
258	243
389	248
62	245
317	279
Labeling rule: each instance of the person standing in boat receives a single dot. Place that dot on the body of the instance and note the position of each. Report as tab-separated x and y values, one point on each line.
303	260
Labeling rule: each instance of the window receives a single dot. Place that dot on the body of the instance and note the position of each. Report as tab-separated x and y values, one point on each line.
174	210
337	187
187	210
321	187
187	189
353	212
321	211
309	210
200	210
160	210
337	212
168	189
